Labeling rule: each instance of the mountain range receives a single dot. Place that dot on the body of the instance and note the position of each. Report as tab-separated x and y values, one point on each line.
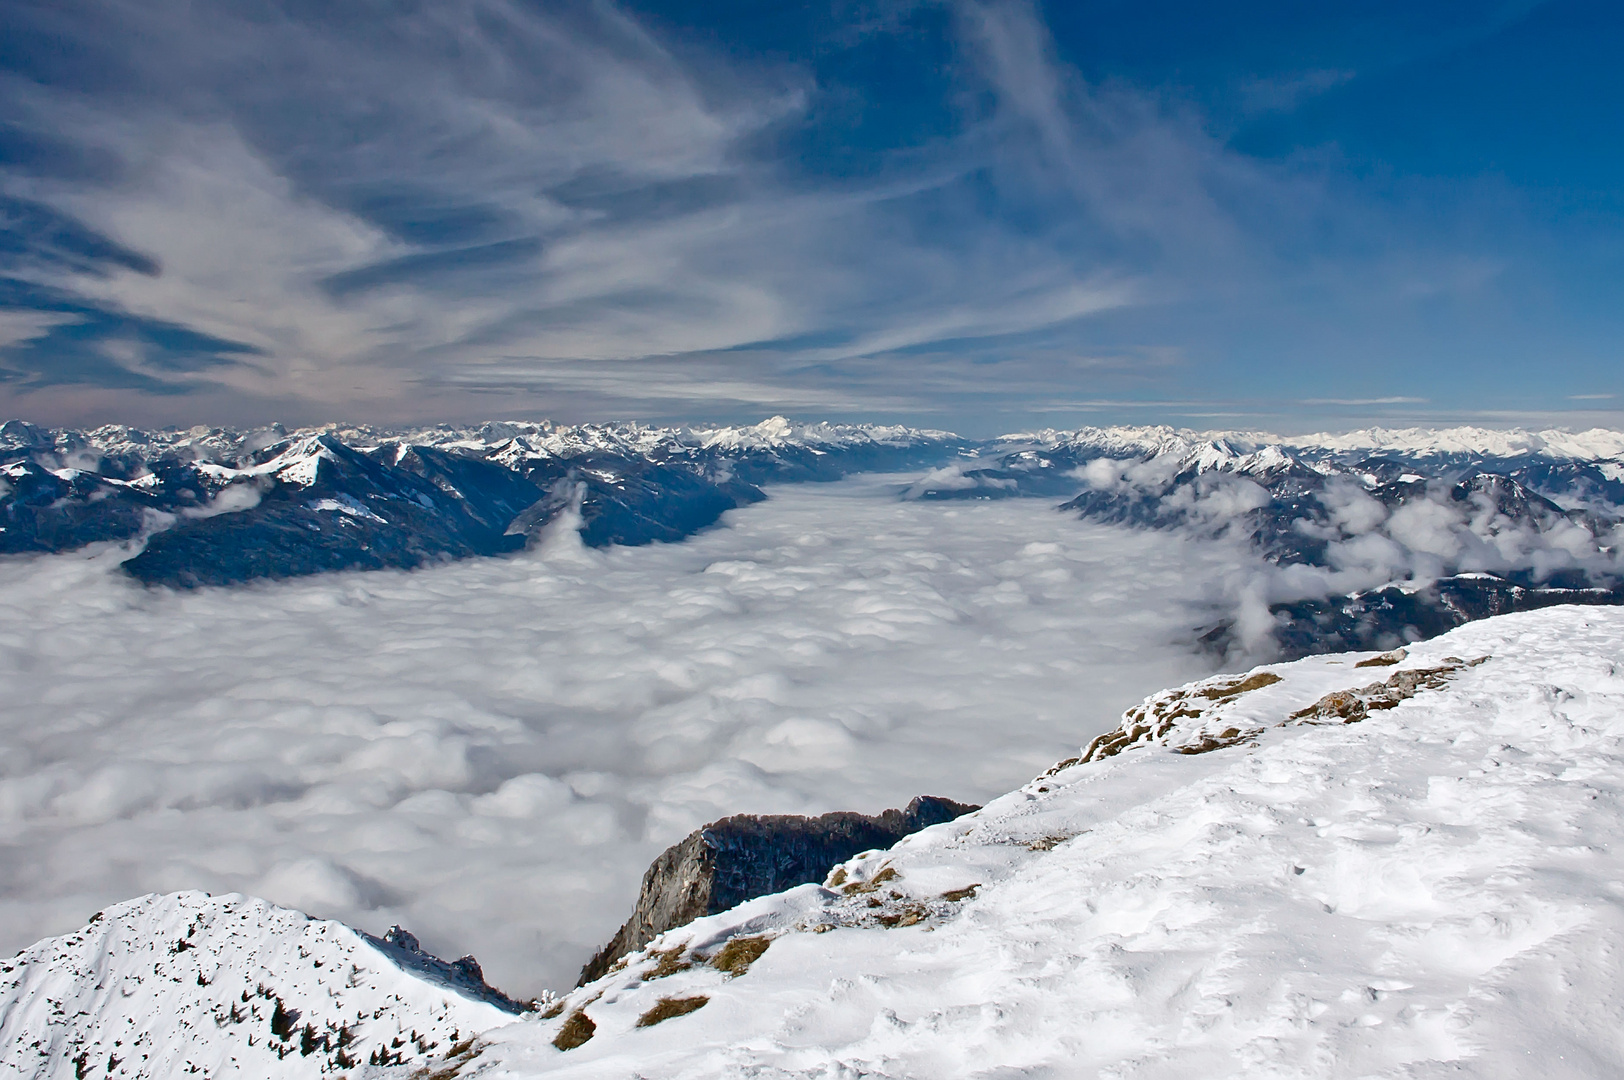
1366	540
217	507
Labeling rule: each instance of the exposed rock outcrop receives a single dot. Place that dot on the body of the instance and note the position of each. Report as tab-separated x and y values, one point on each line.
745	856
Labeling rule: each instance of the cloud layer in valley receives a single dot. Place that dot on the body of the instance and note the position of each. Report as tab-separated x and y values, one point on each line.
490	752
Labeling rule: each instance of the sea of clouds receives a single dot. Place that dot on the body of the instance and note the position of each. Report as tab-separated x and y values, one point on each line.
490	752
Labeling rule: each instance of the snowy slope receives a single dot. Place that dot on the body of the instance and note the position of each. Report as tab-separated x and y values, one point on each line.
1433	888
189	984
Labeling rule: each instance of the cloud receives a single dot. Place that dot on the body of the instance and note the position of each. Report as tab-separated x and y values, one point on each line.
1365	401
491	752
19	327
479	196
593	212
1137	179
1285	93
1431	535
483	188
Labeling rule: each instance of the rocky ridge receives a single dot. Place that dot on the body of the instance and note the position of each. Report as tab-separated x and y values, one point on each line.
725	863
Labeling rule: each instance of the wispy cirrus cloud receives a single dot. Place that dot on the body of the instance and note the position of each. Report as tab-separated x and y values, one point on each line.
1394	400
403	213
399	207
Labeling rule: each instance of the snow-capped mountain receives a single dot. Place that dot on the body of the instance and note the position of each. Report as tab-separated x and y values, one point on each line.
1389	864
1357	865
1368	539
197	985
1375	537
1466	442
219	507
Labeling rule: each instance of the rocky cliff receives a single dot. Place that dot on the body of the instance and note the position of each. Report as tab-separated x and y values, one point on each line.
745	856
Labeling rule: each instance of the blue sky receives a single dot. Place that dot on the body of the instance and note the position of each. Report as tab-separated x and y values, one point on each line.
984	215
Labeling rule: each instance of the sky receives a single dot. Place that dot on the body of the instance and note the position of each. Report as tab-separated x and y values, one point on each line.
982	215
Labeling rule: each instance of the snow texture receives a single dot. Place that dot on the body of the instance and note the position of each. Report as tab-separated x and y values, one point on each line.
194	985
1432	889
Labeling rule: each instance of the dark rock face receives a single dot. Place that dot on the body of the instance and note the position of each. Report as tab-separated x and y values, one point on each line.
463	975
742	857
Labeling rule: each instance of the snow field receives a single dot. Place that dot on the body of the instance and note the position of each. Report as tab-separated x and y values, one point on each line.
1433	891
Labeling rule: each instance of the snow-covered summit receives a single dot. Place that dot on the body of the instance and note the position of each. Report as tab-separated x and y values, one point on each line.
230	446
1347	866
222	986
1156	440
1596	444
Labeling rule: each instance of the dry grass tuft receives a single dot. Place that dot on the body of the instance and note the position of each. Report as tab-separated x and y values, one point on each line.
1255	682
666	1008
668	962
1046	843
1352	706
1060	766
739	953
872	884
907	915
1209	743
455	1058
575	1031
